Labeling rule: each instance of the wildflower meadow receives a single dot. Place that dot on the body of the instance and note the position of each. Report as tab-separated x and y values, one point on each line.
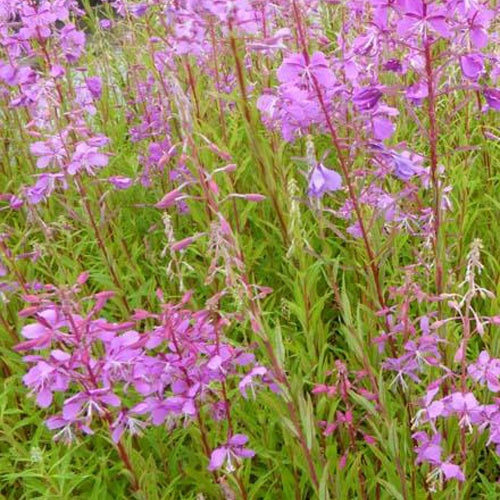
249	249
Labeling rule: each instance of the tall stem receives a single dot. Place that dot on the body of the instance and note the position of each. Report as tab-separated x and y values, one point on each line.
433	139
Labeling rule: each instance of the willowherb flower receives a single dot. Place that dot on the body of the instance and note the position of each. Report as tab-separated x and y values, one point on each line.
486	371
422	18
323	180
132	379
233	451
296	70
72	42
87	156
472	66
367	99
492	97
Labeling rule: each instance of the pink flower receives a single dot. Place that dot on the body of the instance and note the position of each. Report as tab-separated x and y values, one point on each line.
86	157
421	17
323	180
233	449
295	70
367	99
72	42
486	371
472	66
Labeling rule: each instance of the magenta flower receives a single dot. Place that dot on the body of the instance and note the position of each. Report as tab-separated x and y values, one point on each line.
86	157
421	17
323	180
478	21
89	403
486	371
120	182
247	382
492	97
233	449
472	66
295	70
429	449
452	471
417	92
44	378
464	405
72	42
367	99
51	151
40	334
67	428
94	85
126	422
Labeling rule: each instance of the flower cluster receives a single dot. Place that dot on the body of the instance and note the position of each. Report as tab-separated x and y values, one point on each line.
174	371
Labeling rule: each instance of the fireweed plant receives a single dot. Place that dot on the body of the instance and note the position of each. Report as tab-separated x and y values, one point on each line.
248	249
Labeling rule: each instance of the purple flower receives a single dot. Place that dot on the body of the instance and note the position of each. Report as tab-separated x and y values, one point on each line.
233	449
478	22
72	42
464	405
94	85
105	24
429	449
452	471
486	371
41	333
120	182
421	17
404	167
50	151
367	99
492	97
323	180
472	66
383	128
417	93
67	427
296	70
125	421
89	403
86	157
44	186
248	380
393	65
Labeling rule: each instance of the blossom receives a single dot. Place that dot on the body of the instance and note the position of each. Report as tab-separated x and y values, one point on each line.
86	157
72	42
486	371
452	471
67	428
120	182
429	448
464	405
478	21
94	85
323	180
248	380
40	334
472	66
492	97
417	92
91	402
421	17
51	151
367	99
296	70
233	449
